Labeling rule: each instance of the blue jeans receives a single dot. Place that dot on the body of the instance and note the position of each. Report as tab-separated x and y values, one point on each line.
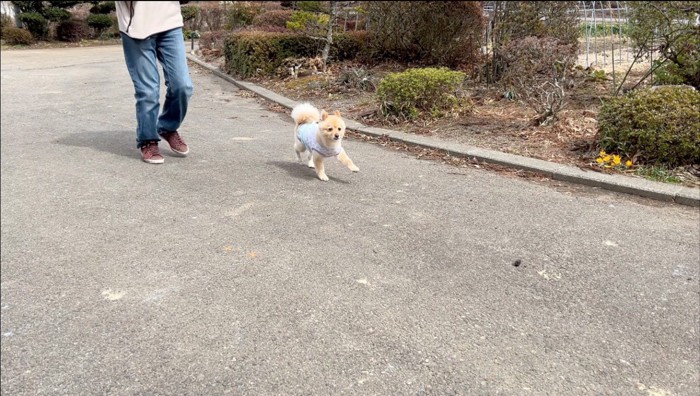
169	49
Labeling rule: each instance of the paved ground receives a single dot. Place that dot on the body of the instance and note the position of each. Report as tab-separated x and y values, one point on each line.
235	271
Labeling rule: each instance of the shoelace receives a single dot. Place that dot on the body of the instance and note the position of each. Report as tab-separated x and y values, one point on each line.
152	149
176	139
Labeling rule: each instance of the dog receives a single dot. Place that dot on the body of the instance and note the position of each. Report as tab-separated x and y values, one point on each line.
320	135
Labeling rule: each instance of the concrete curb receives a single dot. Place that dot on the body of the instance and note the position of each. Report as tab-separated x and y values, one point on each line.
618	183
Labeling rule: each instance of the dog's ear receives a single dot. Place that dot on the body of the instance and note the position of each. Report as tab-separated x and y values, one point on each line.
337	113
324	115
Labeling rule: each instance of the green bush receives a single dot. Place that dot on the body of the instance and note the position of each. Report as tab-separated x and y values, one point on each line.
667	27
660	126
684	68
72	31
17	36
99	22
55	14
104	7
417	93
261	53
35	23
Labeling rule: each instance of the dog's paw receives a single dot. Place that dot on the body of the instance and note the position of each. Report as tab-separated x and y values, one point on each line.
354	168
323	177
311	164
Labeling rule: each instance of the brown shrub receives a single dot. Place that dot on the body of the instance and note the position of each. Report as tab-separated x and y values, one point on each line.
273	18
445	33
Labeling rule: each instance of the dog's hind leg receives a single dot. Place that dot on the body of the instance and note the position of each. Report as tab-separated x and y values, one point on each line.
345	160
298	148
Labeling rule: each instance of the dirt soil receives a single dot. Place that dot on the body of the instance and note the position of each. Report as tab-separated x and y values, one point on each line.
493	122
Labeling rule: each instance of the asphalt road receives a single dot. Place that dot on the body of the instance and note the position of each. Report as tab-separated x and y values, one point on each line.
236	271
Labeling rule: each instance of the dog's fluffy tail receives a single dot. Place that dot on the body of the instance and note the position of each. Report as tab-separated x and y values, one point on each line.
304	113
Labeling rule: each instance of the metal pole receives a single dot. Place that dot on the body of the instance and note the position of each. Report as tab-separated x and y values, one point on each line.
612	51
588	41
595	38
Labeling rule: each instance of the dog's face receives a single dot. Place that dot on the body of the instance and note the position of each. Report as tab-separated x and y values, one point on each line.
332	126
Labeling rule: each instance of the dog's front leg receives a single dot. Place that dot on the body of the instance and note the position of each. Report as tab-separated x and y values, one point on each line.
345	160
310	159
318	164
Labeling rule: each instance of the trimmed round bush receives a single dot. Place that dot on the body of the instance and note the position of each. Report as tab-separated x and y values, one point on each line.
17	36
72	31
660	126
35	23
56	14
99	22
104	7
414	93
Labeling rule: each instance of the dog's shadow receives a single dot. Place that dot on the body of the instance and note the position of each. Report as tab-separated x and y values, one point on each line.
299	170
119	142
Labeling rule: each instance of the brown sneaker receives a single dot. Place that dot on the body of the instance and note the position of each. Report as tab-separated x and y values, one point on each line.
177	145
151	154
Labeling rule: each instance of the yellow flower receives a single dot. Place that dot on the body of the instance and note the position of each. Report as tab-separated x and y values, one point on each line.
616	159
628	163
599	160
603	153
607	158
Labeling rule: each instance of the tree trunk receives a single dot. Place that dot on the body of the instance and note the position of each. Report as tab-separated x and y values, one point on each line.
329	35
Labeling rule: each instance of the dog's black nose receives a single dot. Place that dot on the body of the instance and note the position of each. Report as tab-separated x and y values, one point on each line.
336	137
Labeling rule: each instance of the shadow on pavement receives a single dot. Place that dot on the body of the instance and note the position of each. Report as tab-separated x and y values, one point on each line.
120	142
301	171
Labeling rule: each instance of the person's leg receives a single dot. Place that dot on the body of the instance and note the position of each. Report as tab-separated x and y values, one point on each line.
171	54
141	61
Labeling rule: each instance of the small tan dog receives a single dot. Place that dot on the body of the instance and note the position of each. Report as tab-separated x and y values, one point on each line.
321	135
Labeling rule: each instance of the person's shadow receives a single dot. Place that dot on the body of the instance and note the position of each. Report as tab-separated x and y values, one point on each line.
119	142
299	170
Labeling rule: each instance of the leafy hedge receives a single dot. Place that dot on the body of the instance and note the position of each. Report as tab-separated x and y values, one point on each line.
250	53
261	53
659	125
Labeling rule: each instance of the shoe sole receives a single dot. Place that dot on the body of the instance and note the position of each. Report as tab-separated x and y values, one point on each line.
156	161
180	153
